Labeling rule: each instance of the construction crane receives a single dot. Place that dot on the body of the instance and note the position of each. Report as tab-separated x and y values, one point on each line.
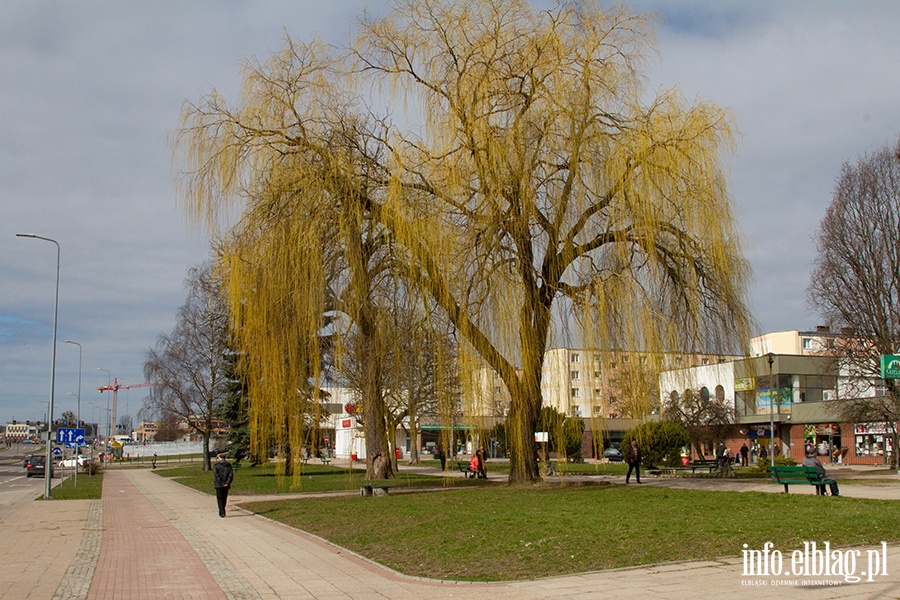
114	388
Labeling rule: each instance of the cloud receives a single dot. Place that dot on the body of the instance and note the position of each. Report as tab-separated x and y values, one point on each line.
92	89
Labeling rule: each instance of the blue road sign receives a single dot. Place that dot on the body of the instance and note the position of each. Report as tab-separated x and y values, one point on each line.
66	435
57	451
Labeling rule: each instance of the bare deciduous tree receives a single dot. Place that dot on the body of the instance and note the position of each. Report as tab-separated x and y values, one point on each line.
856	282
190	363
707	419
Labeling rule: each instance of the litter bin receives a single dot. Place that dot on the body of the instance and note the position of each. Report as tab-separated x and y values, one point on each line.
685	460
399	453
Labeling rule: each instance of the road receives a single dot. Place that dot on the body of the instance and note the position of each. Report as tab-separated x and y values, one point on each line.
16	489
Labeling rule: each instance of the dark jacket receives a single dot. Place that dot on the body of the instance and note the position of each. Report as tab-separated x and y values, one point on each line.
222	474
812	461
633	455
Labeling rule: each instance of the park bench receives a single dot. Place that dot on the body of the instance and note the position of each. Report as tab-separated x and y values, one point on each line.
373	490
325	460
465	468
709	465
797	475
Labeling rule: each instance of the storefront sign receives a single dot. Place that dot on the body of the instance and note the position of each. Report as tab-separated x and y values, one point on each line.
890	366
743	384
773	401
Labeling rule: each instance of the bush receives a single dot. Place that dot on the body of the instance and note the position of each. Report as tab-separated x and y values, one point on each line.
762	464
660	442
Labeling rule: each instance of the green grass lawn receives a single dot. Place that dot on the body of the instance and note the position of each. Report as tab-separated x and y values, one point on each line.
505	533
315	478
494	532
88	488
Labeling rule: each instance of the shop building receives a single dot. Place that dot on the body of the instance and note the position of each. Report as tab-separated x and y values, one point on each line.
794	395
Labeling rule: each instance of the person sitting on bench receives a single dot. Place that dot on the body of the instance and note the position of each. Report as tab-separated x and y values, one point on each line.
812	461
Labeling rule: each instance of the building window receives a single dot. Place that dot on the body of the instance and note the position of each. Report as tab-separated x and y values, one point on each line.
575	358
704	361
596	374
576	393
807	343
574	375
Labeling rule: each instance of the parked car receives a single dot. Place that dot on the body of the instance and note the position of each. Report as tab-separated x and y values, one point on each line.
613	455
69	463
37	467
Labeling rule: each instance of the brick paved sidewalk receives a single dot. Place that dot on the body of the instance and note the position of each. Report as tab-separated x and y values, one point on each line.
143	555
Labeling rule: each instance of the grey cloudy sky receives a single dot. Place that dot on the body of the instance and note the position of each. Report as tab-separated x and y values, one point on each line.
90	90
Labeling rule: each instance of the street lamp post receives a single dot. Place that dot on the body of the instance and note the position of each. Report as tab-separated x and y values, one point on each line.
48	466
78	412
771	411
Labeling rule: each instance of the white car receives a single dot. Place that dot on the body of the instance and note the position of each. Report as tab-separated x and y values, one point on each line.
69	463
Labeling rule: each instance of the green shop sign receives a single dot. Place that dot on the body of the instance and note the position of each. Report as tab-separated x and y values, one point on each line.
890	366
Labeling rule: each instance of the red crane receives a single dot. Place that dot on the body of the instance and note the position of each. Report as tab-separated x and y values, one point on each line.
115	387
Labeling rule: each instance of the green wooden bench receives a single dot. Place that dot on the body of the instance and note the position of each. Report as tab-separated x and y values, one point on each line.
797	475
464	467
709	465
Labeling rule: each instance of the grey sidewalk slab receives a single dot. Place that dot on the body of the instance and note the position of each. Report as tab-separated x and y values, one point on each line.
38	543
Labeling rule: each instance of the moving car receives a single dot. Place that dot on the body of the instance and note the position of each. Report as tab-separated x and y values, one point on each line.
37	467
613	455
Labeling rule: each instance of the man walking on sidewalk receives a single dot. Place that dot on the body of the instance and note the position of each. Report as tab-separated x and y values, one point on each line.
222	475
633	458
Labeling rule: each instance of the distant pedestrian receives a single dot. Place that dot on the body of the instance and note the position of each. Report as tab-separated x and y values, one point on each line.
153	460
720	455
763	453
745	455
442	456
482	471
473	466
222	475
633	458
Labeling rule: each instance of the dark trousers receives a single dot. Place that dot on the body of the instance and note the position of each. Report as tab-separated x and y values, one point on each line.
637	472
221	499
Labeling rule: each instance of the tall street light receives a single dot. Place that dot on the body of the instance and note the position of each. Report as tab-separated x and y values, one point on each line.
78	413
772	387
48	466
108	384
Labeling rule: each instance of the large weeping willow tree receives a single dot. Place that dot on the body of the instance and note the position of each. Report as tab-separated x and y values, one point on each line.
532	177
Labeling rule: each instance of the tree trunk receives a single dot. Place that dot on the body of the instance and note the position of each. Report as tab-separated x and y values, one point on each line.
378	463
414	436
206	462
